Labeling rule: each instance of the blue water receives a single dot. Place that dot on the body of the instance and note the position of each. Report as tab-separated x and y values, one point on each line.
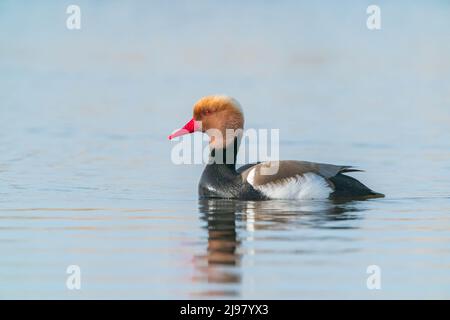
86	176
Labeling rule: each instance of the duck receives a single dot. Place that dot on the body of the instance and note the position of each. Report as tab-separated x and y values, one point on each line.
221	117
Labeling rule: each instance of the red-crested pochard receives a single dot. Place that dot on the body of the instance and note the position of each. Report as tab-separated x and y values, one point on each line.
216	116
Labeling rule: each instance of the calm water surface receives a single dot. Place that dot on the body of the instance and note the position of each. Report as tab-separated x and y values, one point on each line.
86	176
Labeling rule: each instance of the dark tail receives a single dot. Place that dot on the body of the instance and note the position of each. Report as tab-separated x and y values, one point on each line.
347	187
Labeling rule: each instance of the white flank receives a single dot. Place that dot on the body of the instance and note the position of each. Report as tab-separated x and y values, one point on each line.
251	176
304	187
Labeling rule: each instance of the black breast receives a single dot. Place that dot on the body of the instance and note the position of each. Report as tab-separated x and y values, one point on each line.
222	181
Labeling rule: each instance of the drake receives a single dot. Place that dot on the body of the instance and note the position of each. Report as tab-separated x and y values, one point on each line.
222	119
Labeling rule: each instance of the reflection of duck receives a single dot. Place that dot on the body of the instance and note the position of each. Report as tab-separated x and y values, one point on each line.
216	115
219	263
231	226
222	241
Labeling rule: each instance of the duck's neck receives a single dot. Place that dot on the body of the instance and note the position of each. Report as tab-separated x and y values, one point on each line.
226	156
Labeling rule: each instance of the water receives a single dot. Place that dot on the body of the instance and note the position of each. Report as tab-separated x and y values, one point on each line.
85	171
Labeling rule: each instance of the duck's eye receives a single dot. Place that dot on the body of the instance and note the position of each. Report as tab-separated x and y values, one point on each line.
207	112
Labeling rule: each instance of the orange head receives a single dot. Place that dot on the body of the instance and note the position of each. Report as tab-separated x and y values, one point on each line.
214	115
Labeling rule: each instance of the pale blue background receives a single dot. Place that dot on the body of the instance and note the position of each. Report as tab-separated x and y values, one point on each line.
85	170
